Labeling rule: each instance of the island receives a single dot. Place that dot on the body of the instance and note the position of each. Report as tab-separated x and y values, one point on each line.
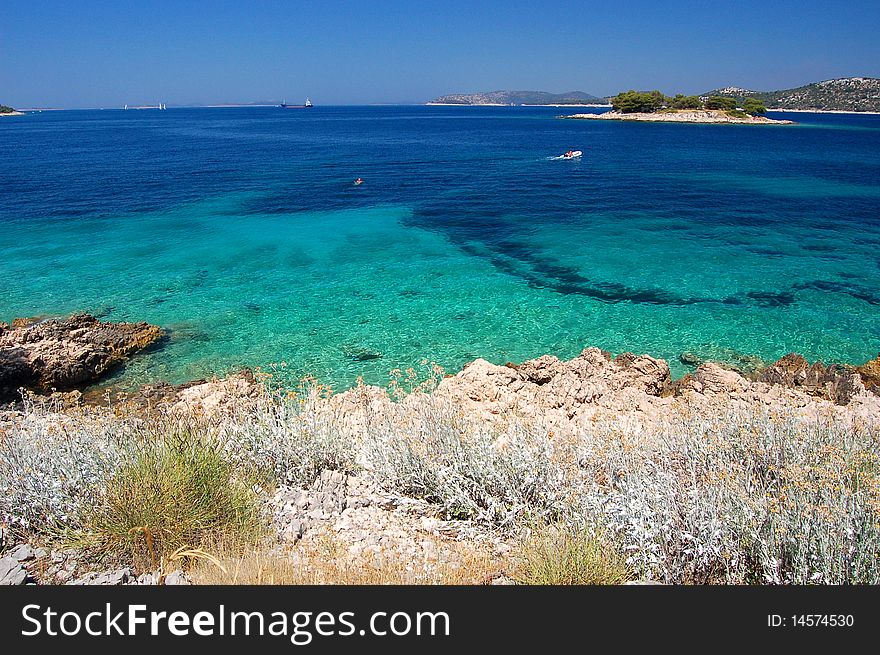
655	107
521	98
845	94
9	111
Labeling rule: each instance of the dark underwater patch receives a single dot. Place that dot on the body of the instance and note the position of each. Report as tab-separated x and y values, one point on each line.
771	298
765	251
856	291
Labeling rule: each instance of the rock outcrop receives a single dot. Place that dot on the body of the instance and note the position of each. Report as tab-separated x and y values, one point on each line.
837	382
373	525
712	378
62	354
216	395
744	364
558	390
870	374
637	391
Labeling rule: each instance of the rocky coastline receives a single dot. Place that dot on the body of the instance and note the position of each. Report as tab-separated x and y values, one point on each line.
54	354
710	116
64	356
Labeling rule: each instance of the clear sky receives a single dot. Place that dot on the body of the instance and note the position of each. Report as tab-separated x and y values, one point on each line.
101	54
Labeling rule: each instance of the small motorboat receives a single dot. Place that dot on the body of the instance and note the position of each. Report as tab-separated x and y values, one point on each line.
571	154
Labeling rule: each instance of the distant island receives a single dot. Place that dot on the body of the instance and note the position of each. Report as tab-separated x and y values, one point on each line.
492	98
654	107
9	111
849	94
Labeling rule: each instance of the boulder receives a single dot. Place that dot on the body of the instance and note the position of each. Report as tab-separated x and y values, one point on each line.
715	379
12	572
62	354
745	365
22	553
215	396
541	370
870	374
107	578
176	578
838	383
548	383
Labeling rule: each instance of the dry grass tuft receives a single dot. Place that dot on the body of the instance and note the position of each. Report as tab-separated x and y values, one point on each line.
327	561
171	496
567	555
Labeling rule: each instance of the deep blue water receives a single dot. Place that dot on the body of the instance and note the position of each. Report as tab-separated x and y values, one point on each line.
241	231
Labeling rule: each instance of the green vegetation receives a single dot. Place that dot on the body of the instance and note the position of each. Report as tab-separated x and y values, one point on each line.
567	555
754	107
685	102
720	102
631	101
6	110
175	492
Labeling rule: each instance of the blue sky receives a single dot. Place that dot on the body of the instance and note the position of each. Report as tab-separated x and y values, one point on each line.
103	54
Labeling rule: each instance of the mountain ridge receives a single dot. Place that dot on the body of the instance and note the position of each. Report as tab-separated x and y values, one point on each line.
858	94
519	98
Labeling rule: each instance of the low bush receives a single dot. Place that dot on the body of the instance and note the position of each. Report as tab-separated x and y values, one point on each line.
175	491
570	555
745	494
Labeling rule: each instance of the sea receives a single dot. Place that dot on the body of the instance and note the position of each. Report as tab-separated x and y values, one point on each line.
241	232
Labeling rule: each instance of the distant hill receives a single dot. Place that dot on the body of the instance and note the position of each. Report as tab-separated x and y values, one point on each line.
843	94
520	98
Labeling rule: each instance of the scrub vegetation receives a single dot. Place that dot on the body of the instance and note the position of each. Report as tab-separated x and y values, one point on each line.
631	101
750	496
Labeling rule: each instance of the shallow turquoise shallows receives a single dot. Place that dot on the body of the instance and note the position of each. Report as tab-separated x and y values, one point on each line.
242	232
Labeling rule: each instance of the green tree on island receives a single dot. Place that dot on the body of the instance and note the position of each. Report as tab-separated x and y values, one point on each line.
686	102
6	110
720	102
754	107
631	101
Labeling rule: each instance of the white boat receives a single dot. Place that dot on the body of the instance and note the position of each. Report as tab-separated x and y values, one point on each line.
574	154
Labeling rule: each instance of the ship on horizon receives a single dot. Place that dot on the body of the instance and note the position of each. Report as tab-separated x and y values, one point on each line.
307	104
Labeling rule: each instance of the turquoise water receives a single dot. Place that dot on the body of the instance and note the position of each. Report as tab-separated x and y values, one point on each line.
240	231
